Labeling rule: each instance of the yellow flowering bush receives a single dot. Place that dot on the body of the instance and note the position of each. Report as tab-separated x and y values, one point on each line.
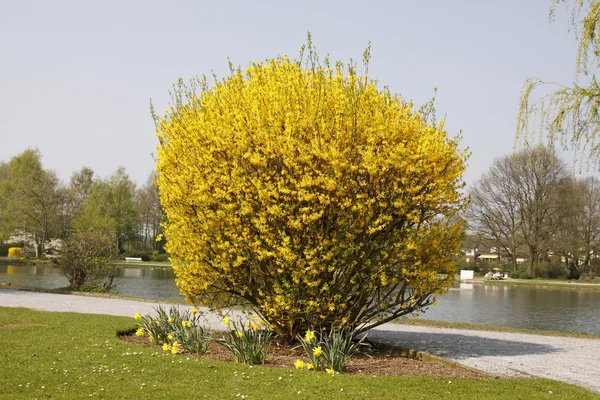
309	192
14	252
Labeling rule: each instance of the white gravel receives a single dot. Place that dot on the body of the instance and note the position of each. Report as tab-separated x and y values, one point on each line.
571	360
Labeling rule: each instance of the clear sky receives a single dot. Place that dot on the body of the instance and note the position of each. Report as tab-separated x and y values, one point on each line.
76	77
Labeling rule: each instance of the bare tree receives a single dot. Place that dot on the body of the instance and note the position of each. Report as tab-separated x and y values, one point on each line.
516	202
494	210
150	213
537	175
567	240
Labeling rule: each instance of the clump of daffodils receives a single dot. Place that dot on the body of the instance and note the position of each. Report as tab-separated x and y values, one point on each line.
176	331
248	342
328	351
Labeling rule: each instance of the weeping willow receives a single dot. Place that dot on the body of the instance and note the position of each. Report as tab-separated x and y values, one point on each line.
568	114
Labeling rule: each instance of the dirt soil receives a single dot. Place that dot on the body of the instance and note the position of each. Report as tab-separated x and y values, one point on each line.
383	361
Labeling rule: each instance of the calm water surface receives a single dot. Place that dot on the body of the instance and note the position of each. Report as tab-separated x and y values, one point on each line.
552	309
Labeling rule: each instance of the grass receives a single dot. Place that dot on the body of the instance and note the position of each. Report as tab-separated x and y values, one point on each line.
144	264
66	355
574	285
482	327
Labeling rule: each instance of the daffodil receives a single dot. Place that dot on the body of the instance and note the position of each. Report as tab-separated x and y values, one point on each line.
151	339
175	348
193	311
170	337
186	324
330	371
310	366
170	320
317	351
137	316
139	332
239	334
310	336
299	364
226	320
166	347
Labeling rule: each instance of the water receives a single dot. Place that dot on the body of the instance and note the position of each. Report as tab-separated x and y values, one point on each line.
140	282
553	309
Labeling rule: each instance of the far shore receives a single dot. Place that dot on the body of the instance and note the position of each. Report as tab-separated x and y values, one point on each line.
577	285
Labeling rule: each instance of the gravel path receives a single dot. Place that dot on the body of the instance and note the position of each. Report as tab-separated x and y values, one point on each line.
571	360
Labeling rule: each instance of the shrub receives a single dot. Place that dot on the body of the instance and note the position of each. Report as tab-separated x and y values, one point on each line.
248	343
86	258
15	252
551	270
309	193
521	273
159	257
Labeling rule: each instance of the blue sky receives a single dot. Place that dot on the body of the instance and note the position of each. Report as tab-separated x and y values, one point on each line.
76	77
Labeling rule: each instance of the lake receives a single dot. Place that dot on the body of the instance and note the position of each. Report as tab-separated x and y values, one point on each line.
554	309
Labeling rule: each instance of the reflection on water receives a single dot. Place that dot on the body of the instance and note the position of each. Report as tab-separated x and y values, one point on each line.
512	306
142	282
552	309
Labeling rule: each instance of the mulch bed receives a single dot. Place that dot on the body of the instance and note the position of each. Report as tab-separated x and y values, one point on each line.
384	361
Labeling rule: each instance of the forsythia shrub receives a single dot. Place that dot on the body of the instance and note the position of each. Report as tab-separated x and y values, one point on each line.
309	193
14	252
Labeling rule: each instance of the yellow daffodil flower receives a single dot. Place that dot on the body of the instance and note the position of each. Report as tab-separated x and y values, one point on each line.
310	336
317	351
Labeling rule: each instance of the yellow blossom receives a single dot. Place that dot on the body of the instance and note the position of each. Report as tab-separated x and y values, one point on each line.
137	317
186	324
226	320
310	366
151	339
239	334
330	371
299	364
139	332
175	348
288	153
193	311
170	337
166	347
317	351
310	336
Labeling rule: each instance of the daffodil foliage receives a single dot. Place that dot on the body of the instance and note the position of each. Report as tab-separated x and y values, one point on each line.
309	193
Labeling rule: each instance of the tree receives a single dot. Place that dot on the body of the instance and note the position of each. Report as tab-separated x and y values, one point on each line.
308	193
494	209
32	198
86	259
538	173
110	207
568	239
569	114
578	234
150	213
517	202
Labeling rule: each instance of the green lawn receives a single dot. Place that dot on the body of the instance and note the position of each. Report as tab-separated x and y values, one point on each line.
591	285
65	355
153	264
